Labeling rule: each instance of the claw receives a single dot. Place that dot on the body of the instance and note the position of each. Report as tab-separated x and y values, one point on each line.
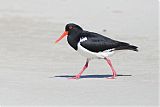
111	77
76	77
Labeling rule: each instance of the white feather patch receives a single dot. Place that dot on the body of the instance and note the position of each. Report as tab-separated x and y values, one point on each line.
91	55
83	39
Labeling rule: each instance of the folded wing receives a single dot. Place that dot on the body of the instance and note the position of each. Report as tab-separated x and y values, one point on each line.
97	43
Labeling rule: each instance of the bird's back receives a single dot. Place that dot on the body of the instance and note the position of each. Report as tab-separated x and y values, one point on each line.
99	43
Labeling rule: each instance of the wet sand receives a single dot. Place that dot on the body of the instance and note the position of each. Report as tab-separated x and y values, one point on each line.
34	72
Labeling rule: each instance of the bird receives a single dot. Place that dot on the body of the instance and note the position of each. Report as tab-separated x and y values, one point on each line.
93	46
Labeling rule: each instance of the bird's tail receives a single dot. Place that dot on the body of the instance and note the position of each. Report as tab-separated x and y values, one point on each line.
126	46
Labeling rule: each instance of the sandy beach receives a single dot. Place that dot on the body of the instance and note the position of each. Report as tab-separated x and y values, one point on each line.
35	72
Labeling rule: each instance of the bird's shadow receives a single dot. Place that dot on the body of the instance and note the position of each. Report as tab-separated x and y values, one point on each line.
87	76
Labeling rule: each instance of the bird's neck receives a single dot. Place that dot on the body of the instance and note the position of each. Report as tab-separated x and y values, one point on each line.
73	38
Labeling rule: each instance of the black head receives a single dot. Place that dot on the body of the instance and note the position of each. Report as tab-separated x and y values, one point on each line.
71	26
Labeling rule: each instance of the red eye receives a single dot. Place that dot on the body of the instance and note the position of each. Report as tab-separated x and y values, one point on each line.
70	27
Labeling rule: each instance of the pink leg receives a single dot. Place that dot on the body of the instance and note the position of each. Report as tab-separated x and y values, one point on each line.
113	71
78	75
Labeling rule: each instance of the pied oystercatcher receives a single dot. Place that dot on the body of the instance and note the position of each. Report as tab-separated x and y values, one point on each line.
93	45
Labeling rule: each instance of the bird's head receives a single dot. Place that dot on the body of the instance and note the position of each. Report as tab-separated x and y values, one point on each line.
68	29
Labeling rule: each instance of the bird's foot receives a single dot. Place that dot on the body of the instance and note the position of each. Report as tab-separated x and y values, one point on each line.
76	77
112	77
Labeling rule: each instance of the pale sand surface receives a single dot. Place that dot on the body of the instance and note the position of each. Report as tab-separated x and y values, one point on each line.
29	61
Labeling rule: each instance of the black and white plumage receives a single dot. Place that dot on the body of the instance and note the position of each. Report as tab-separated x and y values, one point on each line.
96	45
93	45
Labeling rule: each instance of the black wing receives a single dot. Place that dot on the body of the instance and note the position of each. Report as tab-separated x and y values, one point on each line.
98	43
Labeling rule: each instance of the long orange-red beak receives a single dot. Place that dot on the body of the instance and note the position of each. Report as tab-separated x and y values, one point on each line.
62	36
